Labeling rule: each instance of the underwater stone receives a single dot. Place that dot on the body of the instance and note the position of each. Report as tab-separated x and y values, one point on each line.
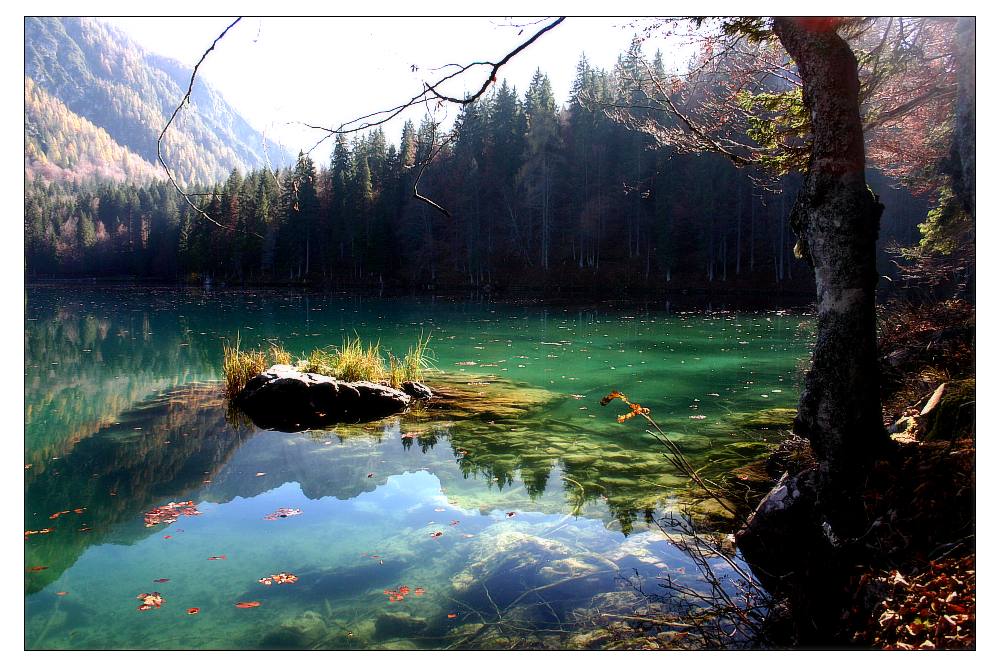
397	624
417	390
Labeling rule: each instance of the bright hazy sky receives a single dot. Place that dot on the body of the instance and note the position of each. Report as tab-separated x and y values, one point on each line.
325	71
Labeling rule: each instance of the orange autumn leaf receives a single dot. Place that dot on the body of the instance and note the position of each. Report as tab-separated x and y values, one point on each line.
168	513
452	615
247	605
193	610
149	601
62	593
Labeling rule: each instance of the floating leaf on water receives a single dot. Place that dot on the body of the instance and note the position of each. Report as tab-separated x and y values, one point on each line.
247	605
280	578
160	581
167	537
38	568
452	615
62	593
418	591
149	601
282	513
168	513
193	610
217	558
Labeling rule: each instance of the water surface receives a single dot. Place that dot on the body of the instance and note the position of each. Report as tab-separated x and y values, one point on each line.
543	501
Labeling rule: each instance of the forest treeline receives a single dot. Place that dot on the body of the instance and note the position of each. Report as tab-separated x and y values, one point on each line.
540	196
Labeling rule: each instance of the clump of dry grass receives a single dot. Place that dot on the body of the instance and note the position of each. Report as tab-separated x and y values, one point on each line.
353	361
280	355
239	366
356	362
417	360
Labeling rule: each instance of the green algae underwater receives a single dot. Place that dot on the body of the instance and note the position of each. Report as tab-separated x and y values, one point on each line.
512	512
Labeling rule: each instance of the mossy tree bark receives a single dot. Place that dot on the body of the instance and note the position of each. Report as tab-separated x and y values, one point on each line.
836	218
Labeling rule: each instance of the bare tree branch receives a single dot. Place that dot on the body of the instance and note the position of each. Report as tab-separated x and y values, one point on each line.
159	141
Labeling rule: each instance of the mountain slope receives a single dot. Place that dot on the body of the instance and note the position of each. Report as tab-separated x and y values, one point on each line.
103	77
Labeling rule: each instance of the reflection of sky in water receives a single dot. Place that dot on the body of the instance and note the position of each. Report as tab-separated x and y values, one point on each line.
104	432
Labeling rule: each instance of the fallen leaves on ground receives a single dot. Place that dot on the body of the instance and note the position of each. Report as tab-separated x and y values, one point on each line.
282	513
168	513
933	609
149	601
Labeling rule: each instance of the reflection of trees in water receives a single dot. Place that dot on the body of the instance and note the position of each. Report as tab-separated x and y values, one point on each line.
84	369
631	483
162	450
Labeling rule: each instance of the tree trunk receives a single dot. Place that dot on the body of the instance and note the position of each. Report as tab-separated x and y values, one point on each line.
836	219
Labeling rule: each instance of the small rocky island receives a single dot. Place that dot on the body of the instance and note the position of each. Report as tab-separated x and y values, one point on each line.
286	398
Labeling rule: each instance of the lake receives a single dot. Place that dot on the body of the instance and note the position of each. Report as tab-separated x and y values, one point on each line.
527	524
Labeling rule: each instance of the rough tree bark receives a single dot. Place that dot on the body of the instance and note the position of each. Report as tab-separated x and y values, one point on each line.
836	219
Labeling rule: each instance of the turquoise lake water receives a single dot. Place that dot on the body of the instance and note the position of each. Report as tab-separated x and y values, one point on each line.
546	506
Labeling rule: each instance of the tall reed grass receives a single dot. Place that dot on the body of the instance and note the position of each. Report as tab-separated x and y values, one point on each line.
353	361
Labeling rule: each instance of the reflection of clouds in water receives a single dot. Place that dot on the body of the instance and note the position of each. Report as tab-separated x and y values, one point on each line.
542	459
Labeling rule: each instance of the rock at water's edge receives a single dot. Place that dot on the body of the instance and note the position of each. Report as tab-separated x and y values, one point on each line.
285	398
417	390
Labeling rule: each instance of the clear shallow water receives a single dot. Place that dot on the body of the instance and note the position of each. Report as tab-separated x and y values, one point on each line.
123	413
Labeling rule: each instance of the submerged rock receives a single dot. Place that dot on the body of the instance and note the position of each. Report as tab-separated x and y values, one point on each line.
417	390
285	398
399	625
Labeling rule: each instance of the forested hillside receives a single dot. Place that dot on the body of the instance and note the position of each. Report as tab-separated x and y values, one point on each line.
541	196
82	76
